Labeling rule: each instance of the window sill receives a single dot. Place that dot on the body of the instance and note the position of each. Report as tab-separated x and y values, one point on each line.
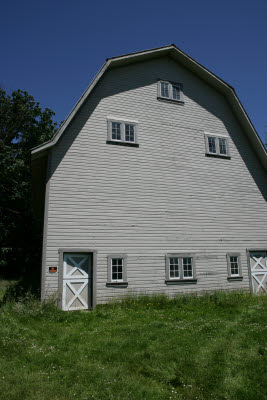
181	102
180	281
122	143
235	278
218	156
117	284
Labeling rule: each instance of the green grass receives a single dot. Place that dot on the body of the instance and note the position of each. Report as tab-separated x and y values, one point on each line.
211	347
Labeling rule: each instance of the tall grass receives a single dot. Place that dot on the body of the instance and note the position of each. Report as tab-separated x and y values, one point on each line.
147	347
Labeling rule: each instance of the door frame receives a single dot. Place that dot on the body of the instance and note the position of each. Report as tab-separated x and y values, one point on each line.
252	249
60	272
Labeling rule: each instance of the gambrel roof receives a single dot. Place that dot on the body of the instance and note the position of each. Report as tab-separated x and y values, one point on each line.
189	63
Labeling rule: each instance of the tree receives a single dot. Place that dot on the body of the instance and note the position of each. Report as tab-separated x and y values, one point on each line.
23	125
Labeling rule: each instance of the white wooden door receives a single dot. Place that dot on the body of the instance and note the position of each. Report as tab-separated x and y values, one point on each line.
76	281
258	268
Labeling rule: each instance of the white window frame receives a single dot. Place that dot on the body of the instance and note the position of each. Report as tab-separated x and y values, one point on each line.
230	275
170	89
110	280
123	124
169	268
217	145
181	278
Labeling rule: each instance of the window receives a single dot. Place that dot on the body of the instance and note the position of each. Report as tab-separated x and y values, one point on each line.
116	131
170	91
117	273
212	144
116	269
234	266
122	132
222	146
180	268
164	89
129	133
217	145
174	267
187	267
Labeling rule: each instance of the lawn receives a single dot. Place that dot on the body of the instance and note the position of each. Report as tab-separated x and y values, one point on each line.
210	347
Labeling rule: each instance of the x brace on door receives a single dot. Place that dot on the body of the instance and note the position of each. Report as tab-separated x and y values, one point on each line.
76	293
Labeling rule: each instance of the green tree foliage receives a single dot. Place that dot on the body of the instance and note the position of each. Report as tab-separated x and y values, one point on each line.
23	125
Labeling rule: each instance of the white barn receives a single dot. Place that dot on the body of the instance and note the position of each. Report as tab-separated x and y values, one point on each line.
155	183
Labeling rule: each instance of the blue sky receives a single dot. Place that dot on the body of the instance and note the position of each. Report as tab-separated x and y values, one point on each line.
53	49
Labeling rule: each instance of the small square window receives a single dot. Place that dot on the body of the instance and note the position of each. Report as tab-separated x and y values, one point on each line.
170	91
180	268
234	266
217	146
117	270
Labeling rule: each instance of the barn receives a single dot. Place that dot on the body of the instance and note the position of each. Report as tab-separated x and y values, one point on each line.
155	183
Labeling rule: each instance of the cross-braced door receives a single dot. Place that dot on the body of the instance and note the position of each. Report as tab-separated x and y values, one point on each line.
258	268
76	281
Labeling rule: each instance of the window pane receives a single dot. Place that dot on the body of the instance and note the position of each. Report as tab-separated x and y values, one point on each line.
116	265
164	89
222	146
187	267
174	267
234	265
176	92
129	133
116	131
212	144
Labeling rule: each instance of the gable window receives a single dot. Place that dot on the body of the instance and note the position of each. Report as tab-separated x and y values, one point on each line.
222	146
212	144
234	266
116	131
164	89
122	133
217	145
117	270
176	92
170	91
180	268
129	133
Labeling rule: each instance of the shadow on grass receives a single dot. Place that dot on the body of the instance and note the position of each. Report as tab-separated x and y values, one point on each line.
18	289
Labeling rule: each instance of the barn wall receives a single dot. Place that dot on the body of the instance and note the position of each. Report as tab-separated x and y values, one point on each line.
165	196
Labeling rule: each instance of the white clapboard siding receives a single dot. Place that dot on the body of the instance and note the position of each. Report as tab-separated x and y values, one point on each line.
165	196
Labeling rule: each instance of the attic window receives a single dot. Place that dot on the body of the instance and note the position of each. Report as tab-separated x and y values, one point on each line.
170	91
122	133
217	145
